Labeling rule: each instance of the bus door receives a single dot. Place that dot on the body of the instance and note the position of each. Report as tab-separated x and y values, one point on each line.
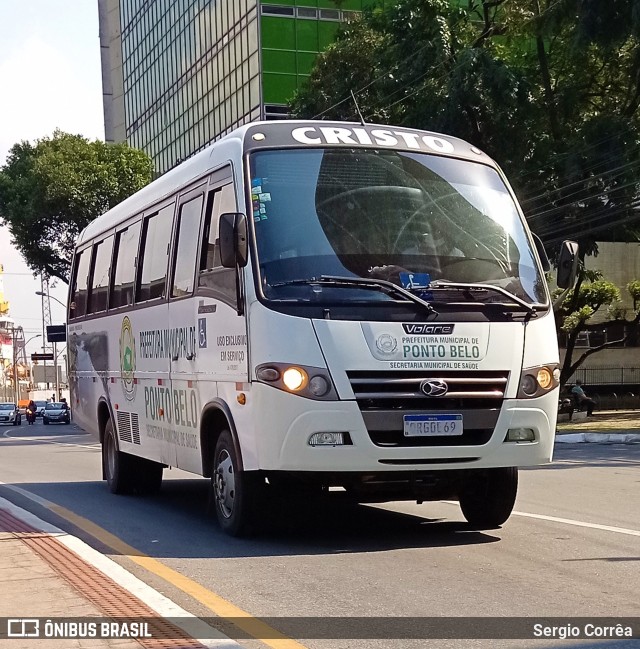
221	332
186	403
148	326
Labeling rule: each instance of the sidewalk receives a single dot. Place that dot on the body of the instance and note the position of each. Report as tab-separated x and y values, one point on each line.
49	577
603	427
30	588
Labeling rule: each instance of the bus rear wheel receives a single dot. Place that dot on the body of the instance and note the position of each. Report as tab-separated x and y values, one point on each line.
488	497
234	493
127	473
148	476
118	469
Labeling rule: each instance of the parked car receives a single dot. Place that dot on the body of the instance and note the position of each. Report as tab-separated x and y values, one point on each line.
40	408
56	412
10	414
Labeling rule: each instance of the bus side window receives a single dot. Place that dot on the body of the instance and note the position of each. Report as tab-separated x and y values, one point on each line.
212	274
124	262
78	302
100	276
156	235
186	246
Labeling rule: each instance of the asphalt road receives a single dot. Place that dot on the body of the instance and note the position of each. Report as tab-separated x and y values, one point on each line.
571	548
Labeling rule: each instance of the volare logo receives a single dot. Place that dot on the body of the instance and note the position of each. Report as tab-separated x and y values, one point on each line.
422	329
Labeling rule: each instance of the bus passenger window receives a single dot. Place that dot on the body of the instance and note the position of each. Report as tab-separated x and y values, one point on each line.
125	267
187	246
100	276
156	235
78	306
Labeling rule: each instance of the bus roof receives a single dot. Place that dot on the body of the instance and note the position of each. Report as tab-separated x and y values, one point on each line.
280	134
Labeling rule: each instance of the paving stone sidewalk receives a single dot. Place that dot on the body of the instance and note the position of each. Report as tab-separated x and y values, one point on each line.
30	588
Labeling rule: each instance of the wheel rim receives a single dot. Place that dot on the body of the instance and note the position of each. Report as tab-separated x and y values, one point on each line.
111	457
225	484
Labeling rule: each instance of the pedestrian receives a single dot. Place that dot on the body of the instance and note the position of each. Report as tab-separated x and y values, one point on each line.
582	400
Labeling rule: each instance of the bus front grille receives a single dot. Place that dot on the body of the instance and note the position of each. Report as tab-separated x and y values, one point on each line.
384	398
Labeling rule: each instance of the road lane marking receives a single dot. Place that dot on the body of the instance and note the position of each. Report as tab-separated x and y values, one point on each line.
570	521
50	441
214	602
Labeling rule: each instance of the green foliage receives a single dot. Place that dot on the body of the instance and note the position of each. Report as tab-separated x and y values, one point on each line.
616	311
51	190
578	307
549	88
577	318
634	290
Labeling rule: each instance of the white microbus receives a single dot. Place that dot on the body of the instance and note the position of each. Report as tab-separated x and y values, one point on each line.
306	305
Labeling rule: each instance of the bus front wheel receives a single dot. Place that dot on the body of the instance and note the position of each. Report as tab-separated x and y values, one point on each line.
234	492
488	497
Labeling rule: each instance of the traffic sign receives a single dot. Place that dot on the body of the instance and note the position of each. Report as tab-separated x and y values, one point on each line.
56	333
42	357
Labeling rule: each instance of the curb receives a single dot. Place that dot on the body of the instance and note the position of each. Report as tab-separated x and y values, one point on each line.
598	438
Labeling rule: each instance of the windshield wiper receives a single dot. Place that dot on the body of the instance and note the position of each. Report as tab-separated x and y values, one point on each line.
463	286
350	282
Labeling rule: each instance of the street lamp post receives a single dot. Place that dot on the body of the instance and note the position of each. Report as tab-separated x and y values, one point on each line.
25	349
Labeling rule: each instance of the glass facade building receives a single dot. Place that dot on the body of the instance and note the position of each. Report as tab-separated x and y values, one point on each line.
178	74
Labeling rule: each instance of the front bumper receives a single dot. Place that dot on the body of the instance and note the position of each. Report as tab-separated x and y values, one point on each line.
286	422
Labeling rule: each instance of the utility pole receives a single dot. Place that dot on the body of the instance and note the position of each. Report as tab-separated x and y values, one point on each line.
46	321
14	346
19	357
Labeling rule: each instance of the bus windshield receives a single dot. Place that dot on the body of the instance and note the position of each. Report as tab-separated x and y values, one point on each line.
382	215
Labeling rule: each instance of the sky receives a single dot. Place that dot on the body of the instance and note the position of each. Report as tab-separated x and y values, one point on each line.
49	78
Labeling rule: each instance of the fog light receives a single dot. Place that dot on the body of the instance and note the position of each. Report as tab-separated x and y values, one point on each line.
326	439
520	435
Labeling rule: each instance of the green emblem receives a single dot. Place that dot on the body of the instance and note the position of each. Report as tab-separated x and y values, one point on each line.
127	359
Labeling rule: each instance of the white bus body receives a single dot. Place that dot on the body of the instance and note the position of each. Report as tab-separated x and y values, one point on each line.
388	330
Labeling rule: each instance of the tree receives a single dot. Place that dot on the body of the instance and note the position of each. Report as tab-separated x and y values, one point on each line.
548	88
590	293
51	190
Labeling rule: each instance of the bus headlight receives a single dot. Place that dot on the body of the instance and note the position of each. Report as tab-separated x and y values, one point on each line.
294	379
536	381
309	382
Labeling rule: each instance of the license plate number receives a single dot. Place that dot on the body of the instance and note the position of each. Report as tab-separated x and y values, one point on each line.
432	425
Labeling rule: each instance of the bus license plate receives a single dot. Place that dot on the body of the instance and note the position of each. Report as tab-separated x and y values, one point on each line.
432	425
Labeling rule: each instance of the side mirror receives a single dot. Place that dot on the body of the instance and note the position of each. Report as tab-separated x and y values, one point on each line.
233	239
544	260
567	264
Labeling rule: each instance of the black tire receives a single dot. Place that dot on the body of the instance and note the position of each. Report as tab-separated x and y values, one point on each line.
234	494
148	475
488	497
117	466
45	422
